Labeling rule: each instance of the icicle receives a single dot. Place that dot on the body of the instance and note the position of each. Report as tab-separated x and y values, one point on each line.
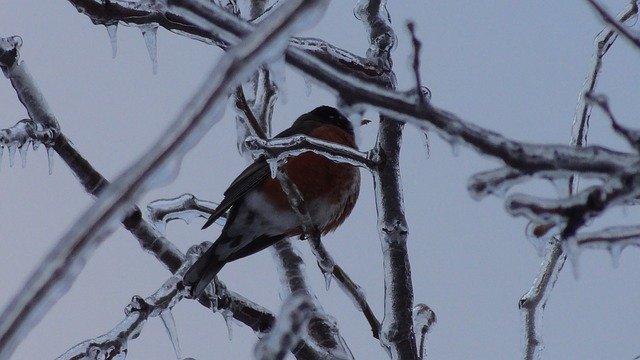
307	85
35	145
278	75
327	279
571	248
112	30
273	167
12	155
149	32
1	152
50	159
426	144
615	250
228	319
23	154
170	326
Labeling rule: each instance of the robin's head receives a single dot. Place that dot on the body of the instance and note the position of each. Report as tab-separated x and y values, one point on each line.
330	116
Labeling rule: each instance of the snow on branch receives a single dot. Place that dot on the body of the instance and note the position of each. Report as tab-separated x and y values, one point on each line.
61	266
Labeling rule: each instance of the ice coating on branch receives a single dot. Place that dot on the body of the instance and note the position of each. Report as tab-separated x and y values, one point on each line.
149	33
170	325
290	326
423	320
494	182
112	30
538	235
185	207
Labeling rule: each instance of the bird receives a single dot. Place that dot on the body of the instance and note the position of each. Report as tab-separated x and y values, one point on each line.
259	214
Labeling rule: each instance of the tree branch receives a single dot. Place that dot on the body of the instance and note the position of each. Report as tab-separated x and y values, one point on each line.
615	24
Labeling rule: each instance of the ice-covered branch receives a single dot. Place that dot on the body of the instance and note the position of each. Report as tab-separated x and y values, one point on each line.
618	25
280	149
184	207
632	136
113	345
573	212
61	266
603	42
396	331
322	328
613	239
423	320
295	313
533	302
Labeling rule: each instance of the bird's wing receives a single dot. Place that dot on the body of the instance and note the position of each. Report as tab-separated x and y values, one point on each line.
253	175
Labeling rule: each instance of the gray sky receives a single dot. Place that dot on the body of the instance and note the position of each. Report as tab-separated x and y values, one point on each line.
516	67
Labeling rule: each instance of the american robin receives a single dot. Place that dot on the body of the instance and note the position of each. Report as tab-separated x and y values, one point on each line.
259	211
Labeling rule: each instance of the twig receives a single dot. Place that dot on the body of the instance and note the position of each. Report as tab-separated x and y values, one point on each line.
610	20
533	302
114	343
631	136
603	42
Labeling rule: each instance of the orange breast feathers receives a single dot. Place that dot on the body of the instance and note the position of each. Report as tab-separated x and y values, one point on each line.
318	177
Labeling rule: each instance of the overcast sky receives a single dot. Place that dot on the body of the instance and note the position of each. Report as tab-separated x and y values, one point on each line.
516	67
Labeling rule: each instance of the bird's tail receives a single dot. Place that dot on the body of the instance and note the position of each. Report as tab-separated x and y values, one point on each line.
202	272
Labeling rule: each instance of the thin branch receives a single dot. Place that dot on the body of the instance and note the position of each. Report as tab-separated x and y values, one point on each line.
279	149
615	24
62	265
423	320
184	207
114	343
603	42
630	135
533	302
